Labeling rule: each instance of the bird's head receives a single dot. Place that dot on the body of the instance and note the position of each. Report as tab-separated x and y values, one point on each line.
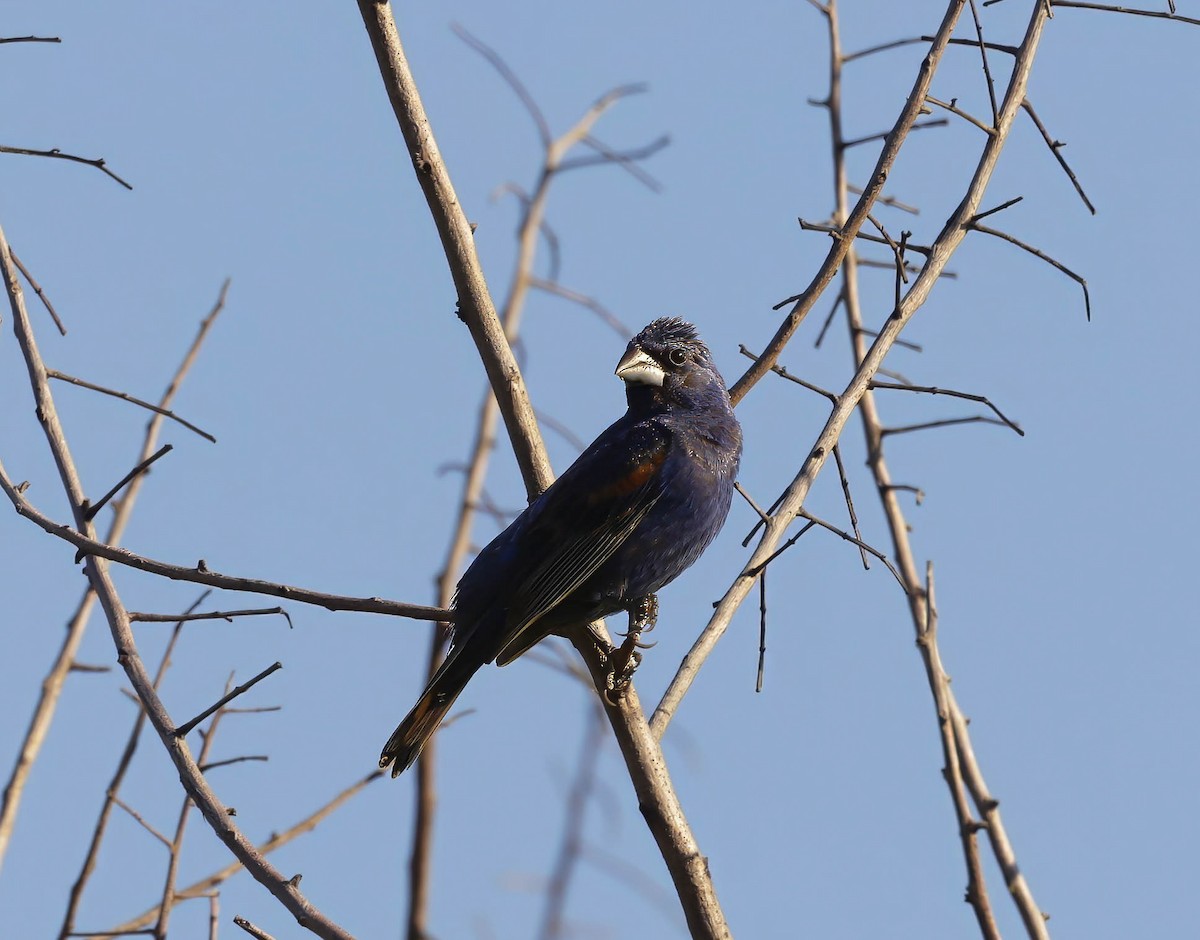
667	360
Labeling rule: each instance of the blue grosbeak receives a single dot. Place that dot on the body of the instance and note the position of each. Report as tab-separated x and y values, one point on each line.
635	510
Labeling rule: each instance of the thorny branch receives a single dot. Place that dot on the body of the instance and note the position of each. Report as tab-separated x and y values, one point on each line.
98	575
52	685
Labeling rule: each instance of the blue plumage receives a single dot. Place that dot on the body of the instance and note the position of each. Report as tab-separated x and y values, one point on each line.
633	512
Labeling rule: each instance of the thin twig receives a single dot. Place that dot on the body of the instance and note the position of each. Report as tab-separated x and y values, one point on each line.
183	730
553	287
140	820
200	887
858	217
202	575
41	294
228	615
844	480
257	932
1038	253
124	396
863	546
968	827
953	108
57	154
934	390
52	684
940	423
141	468
987	72
1104	7
1056	149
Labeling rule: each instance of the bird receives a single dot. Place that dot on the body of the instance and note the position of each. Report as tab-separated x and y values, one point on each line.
638	506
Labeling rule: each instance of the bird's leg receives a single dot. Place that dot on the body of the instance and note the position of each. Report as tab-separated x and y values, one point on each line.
624	660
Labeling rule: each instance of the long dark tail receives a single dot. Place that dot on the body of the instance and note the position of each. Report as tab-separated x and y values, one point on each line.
410	736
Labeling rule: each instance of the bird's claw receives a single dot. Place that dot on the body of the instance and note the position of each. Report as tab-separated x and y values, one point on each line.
624	661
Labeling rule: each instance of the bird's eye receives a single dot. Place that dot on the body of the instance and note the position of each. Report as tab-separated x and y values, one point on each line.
677	356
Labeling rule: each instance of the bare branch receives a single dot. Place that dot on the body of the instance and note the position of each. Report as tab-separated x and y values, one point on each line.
953	108
157	409
183	730
141	468
934	390
136	617
1038	253
257	932
884	135
57	154
987	72
206	884
1106	8
41	294
951	236
1056	149
856	219
968	827
474	300
202	575
510	79
552	287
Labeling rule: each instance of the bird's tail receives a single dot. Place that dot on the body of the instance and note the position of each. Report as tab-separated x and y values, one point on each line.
418	726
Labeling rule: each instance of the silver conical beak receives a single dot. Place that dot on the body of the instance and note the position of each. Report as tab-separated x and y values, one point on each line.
637	366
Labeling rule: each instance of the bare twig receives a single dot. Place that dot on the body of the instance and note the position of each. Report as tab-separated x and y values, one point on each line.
57	154
1056	149
124	396
987	72
202	575
41	294
1038	253
953	108
257	932
590	303
921	599
206	884
968	827
140	820
940	423
884	135
1106	8
934	390
141	468
951	236
137	617
183	730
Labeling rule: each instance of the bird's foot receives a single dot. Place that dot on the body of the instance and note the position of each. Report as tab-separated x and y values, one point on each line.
623	661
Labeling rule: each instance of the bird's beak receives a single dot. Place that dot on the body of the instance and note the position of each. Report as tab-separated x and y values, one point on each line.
637	366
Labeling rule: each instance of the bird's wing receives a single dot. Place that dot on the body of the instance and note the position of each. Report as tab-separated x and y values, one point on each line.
588	514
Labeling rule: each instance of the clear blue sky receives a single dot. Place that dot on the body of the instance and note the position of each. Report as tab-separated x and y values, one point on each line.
261	147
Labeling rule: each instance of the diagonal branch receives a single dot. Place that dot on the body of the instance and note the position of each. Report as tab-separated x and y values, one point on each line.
841	247
951	236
